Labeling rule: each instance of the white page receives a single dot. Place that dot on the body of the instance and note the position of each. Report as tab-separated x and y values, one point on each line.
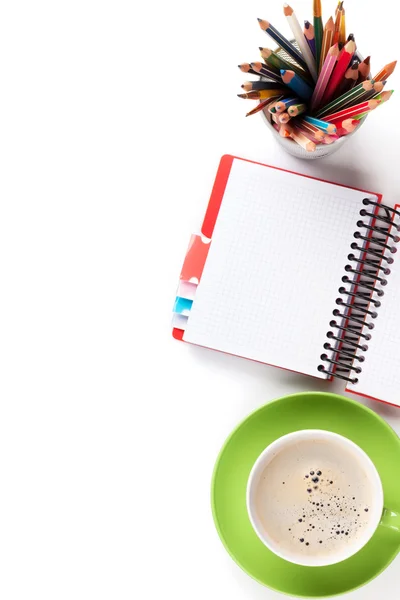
275	264
380	376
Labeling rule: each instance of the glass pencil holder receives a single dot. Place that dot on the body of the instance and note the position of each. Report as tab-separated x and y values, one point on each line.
290	145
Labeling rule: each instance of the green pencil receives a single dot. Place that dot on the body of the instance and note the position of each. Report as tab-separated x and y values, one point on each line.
318	29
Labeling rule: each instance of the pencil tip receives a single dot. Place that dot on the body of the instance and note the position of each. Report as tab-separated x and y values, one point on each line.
367	60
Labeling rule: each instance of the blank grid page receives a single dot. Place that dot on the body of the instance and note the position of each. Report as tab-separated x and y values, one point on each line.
380	376
274	267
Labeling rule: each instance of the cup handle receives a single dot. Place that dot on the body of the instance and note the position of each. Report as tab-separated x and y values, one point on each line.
390	519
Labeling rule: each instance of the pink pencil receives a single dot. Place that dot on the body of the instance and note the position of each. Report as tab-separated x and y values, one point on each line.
324	76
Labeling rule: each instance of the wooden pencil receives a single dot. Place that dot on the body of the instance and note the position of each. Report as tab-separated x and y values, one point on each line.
317	133
346	126
310	36
349	80
323	125
352	111
326	41
300	39
284	117
340	69
282	42
285	130
349	97
265	104
384	97
318	29
261	85
261	69
261	94
300	87
324	76
364	69
311	135
386	71
246	68
275	61
342	30
302	140
336	33
297	109
285	103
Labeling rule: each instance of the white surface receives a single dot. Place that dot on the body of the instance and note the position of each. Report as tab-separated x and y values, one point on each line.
274	267
380	376
109	429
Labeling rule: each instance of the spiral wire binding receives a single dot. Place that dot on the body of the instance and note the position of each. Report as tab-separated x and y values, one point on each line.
366	275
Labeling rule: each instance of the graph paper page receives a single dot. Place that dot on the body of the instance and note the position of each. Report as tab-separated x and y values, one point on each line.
274	267
380	376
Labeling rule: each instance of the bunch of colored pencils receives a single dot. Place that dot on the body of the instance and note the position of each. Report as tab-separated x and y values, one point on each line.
315	89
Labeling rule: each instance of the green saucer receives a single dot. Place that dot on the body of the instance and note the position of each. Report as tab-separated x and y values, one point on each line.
312	410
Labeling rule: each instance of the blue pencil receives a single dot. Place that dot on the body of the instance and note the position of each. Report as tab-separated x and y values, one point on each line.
324	125
296	84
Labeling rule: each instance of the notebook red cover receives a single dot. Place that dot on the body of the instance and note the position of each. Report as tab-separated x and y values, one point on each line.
198	248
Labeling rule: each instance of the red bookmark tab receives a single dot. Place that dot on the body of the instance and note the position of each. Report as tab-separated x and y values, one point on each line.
195	259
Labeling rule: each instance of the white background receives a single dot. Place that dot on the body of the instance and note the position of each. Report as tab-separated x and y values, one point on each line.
113	118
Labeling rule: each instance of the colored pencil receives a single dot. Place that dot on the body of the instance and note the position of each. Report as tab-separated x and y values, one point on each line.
265	104
347	98
272	107
275	126
277	62
285	130
284	117
284	104
297	109
336	33
342	31
324	76
261	69
329	139
346	126
302	140
386	71
323	125
309	35
340	69
261	94
261	85
310	134
300	39
317	133
318	29
292	80
349	80
282	42
246	68
384	97
364	69
352	111
351	38
326	41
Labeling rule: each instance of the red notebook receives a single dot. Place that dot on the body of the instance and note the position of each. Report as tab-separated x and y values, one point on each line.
297	273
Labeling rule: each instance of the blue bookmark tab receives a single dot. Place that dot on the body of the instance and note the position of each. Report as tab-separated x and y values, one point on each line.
182	305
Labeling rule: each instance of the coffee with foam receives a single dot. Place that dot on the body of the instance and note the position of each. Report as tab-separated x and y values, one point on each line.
314	499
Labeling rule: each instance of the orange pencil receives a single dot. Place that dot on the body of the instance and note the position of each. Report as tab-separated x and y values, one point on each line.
327	41
339	15
386	71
